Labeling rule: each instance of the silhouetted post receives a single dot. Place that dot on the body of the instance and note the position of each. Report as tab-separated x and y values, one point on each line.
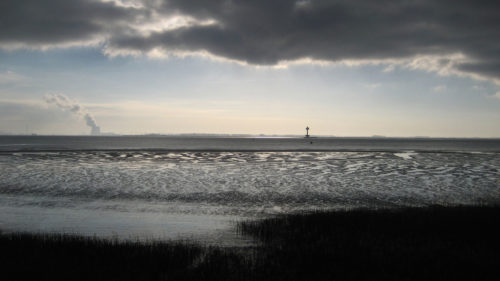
307	131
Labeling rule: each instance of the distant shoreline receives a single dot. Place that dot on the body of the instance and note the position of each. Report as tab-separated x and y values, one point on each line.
263	136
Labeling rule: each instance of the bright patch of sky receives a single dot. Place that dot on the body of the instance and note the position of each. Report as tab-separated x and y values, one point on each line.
137	94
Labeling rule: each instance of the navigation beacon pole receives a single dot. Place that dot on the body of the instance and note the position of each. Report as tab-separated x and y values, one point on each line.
307	131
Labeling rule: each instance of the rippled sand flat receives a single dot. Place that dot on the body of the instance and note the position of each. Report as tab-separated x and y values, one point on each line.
172	194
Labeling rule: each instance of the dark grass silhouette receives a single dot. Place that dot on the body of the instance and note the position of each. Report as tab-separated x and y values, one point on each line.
69	257
435	243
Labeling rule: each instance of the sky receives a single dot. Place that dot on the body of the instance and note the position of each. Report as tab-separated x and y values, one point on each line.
343	68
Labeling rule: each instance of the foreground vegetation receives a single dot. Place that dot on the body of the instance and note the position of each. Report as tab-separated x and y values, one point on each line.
435	243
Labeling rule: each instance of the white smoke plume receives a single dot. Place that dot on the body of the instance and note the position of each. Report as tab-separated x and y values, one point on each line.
65	103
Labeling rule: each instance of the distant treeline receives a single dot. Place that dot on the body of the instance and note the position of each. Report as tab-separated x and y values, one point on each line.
434	243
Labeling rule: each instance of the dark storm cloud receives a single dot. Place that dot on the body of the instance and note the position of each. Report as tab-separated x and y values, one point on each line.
265	32
39	22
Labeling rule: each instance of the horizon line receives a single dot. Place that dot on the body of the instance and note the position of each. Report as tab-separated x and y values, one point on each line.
3	134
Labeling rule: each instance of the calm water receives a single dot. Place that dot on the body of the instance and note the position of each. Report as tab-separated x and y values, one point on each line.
60	143
178	187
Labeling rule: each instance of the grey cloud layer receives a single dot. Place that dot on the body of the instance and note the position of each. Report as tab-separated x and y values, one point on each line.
40	22
266	32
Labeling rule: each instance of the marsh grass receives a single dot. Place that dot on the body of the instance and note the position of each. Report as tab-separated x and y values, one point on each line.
69	257
434	243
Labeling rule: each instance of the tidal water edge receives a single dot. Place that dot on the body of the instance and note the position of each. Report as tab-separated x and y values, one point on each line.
197	188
